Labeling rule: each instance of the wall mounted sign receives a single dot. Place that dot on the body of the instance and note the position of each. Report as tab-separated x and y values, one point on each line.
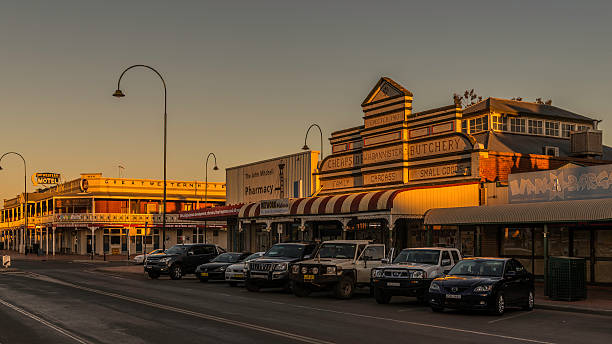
416	133
440	171
340	183
385	119
385	154
452	144
386	177
390	137
342	162
274	206
45	178
570	183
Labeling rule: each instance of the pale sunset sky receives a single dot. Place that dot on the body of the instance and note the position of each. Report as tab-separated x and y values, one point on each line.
246	78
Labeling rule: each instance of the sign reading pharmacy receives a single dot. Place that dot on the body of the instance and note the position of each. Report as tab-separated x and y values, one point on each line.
570	183
45	178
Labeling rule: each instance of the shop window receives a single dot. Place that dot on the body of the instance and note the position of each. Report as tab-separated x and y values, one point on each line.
603	243
534	126
499	122
517	125
582	243
566	129
215	233
583	127
552	128
517	242
558	241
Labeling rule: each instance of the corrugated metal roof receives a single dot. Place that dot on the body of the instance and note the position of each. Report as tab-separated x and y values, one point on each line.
525	108
542	212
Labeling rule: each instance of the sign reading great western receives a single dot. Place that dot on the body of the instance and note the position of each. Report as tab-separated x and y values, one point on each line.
456	169
450	144
562	184
45	178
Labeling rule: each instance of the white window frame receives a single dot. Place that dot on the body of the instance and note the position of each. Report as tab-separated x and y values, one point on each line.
567	128
479	124
517	125
535	127
551	128
499	122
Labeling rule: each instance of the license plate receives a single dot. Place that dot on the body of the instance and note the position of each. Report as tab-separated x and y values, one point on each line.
393	284
451	296
204	274
308	277
238	276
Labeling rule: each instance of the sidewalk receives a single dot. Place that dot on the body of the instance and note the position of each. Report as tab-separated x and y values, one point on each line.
598	301
66	257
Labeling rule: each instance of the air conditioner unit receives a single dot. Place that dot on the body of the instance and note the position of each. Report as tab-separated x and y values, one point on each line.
587	143
551	150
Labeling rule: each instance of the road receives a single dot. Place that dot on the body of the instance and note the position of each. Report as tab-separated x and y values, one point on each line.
62	302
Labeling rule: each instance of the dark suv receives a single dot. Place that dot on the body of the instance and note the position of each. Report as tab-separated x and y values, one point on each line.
272	269
180	260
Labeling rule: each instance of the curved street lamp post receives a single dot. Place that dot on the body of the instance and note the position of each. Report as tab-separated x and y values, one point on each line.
118	93
306	137
215	168
25	195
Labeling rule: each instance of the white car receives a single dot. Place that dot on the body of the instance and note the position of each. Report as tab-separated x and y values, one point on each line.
235	272
139	259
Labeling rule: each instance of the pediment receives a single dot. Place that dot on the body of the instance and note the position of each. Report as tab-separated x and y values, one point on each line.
385	88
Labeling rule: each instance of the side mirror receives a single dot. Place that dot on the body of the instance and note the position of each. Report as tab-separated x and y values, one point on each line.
385	261
511	274
190	253
308	256
446	262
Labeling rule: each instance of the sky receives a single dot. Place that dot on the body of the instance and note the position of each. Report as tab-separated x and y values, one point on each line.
245	79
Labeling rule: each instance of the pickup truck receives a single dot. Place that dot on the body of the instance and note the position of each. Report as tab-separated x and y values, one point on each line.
412	272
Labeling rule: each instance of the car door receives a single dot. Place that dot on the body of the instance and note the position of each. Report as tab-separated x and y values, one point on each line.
525	280
446	263
207	253
512	282
371	256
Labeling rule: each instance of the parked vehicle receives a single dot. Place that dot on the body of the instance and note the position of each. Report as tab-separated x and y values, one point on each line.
236	273
215	269
180	260
412	272
139	259
340	265
483	283
272	269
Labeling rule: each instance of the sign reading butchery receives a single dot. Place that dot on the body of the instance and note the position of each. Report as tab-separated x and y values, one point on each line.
450	144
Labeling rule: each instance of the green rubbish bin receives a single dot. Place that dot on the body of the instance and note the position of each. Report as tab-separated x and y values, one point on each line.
566	278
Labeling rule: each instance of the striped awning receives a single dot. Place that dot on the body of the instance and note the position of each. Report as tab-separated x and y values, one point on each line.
341	204
249	210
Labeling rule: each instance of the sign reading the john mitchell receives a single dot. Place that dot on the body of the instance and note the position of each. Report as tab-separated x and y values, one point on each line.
560	185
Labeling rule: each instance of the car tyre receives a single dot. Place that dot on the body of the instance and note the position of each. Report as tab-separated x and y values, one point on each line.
251	286
176	272
500	304
300	290
381	296
530	301
153	275
345	288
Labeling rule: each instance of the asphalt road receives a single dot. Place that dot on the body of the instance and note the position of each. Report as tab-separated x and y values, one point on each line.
61	302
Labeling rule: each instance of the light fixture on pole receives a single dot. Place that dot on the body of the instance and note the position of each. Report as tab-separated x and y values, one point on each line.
119	94
25	195
306	137
215	168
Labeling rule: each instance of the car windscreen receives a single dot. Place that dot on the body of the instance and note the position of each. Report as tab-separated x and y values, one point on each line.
489	268
226	258
253	256
178	249
285	251
340	251
418	256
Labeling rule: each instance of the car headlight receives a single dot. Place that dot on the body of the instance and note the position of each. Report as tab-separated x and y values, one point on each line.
315	270
304	270
281	267
433	287
418	274
483	288
295	269
222	268
165	260
377	273
330	270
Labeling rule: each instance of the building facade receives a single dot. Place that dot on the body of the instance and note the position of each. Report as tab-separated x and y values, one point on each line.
99	215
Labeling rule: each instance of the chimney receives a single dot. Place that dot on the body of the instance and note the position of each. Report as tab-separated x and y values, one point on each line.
586	144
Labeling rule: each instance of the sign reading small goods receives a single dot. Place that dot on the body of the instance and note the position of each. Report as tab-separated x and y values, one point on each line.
274	206
440	171
45	178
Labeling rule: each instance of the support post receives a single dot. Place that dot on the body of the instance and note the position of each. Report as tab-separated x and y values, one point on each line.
478	247
302	228
46	241
546	259
391	224
93	241
53	241
429	235
345	223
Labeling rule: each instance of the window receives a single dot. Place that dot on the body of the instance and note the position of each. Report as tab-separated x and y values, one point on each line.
455	256
479	124
552	128
551	150
566	129
499	123
373	253
465	126
583	127
517	125
445	256
534	126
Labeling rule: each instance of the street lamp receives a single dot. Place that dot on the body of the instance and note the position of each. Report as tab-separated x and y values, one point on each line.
119	94
25	193
307	131
215	168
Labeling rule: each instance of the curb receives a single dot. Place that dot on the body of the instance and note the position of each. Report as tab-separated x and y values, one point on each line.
91	261
573	309
8	270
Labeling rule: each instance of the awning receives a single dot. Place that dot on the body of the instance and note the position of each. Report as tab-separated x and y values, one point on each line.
540	212
339	204
211	213
249	210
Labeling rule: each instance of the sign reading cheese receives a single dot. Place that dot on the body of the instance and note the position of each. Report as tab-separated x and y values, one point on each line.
45	178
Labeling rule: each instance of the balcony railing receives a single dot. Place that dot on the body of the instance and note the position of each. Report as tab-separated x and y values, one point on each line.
84	218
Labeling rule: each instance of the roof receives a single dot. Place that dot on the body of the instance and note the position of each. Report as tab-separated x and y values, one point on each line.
523	108
542	212
358	242
527	144
384	79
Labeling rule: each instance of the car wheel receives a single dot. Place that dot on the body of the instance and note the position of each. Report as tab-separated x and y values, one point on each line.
233	284
530	302
153	275
176	273
300	290
251	286
344	289
381	297
500	305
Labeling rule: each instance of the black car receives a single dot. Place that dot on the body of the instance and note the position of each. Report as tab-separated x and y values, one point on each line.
180	260
215	269
483	284
272	269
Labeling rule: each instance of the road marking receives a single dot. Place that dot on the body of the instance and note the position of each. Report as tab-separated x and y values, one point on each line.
44	322
236	323
510	317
